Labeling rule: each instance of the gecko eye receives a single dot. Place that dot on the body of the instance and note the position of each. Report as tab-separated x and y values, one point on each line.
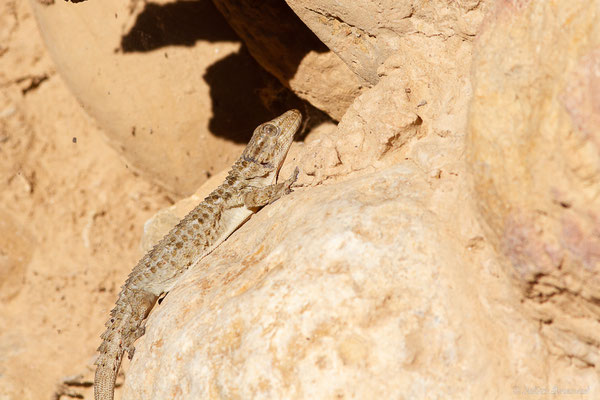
270	129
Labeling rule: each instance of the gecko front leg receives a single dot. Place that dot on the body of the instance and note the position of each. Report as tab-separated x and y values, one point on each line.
258	197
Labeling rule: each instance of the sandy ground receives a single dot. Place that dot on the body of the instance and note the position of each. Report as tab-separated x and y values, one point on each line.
71	217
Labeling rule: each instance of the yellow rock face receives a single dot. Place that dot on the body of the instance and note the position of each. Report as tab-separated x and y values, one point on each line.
535	156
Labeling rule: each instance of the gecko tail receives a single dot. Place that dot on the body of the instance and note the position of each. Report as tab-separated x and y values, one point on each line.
124	327
104	382
107	365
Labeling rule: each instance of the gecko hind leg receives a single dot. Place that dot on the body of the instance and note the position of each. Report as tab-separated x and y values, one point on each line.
144	303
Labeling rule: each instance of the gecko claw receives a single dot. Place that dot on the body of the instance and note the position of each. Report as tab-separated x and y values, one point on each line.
291	180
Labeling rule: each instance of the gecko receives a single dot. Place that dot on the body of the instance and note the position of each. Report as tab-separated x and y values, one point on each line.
250	185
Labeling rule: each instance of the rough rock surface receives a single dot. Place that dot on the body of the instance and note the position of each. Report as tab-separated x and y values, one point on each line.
285	47
366	33
535	157
359	293
374	286
169	82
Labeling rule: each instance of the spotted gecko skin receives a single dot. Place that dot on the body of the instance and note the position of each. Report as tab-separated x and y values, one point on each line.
249	185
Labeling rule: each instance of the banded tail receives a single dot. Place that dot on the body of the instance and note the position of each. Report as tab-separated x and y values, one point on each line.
124	327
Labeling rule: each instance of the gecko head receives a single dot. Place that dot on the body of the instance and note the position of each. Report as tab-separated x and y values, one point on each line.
271	141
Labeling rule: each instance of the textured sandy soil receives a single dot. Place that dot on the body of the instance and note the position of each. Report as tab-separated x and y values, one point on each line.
68	204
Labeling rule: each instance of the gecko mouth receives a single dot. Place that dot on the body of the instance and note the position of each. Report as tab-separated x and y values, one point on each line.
255	161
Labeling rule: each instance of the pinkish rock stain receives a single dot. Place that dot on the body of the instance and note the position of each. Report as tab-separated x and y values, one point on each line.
582	243
581	97
524	245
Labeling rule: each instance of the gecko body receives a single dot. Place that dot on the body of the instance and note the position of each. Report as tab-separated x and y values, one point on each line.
250	184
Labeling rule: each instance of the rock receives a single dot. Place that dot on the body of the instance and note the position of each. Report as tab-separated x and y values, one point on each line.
374	279
169	83
283	45
360	292
417	110
366	34
534	150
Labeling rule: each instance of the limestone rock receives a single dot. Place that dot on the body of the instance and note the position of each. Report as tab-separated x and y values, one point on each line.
169	83
535	157
359	293
417	110
366	33
286	48
373	279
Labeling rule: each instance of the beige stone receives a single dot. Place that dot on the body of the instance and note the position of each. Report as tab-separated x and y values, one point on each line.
285	47
359	292
366	289
535	156
414	99
373	279
366	33
168	82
